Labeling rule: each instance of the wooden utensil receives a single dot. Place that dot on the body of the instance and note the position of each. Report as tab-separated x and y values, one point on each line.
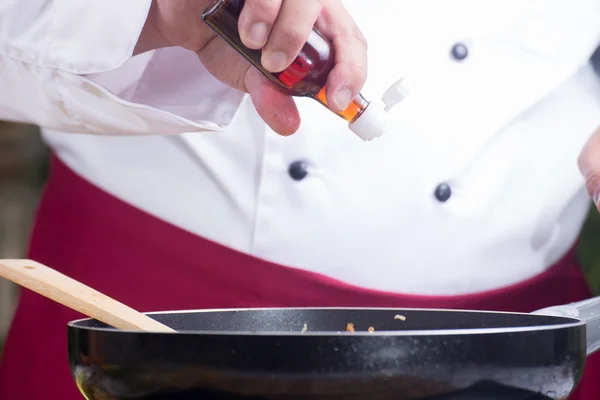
77	296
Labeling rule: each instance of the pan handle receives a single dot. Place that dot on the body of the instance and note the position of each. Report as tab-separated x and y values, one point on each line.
587	311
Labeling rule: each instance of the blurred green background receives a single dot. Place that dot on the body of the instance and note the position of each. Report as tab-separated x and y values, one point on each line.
23	170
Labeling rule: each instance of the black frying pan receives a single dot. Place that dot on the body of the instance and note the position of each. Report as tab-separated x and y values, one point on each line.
308	354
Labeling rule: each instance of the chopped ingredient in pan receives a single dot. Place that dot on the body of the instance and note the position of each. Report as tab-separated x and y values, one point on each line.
400	317
350	327
371	329
304	328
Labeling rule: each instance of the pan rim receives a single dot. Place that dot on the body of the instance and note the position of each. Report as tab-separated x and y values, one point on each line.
396	333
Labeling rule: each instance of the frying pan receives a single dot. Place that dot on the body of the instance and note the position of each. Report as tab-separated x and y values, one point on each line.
308	354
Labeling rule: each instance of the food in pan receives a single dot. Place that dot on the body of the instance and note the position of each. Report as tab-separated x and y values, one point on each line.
350	326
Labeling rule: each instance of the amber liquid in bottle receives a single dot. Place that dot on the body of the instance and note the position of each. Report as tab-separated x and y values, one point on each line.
305	77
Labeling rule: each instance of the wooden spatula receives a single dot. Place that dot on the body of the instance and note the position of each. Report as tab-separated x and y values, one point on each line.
77	296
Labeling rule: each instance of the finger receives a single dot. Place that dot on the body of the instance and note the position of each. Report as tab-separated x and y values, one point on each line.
589	165
256	21
278	110
275	108
349	75
224	63
289	34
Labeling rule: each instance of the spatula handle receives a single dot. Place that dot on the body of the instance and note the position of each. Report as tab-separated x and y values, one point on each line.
587	311
77	296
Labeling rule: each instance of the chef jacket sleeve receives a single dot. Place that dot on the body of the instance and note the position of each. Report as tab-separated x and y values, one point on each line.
67	65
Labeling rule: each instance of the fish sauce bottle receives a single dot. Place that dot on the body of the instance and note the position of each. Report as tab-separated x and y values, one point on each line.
308	73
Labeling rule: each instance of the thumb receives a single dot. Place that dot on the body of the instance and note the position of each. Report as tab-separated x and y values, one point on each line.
589	165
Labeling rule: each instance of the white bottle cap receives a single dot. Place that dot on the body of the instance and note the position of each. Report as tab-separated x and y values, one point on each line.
395	94
371	124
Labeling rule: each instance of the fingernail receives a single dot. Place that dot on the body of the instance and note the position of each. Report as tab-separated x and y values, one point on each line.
342	98
258	34
276	62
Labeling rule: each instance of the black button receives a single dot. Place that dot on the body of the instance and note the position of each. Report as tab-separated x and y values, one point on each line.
460	51
298	170
443	192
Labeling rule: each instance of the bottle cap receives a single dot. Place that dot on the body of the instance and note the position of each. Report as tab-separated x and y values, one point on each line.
371	124
395	94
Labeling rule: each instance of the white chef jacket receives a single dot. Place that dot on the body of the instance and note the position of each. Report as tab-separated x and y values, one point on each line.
503	128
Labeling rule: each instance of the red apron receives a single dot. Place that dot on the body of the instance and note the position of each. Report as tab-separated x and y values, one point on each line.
151	265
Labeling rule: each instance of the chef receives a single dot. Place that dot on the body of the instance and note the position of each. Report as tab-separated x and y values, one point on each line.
171	188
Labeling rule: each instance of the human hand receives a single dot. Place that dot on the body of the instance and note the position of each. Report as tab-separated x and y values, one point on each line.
589	165
279	28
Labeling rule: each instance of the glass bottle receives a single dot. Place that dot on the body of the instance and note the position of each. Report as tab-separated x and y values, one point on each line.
306	76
